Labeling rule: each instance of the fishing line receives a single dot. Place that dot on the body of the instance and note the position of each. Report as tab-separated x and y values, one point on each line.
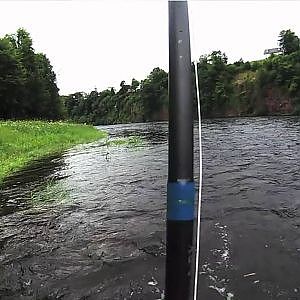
200	186
198	228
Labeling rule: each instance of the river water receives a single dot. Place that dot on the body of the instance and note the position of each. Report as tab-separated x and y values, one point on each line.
101	233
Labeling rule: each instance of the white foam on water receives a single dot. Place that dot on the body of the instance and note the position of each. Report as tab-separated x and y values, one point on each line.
219	290
222	292
221	262
153	282
225	255
250	274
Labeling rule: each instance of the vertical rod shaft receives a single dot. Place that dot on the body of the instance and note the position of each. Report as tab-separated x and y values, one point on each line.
181	190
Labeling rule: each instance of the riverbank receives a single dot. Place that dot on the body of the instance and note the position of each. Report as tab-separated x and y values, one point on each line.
22	142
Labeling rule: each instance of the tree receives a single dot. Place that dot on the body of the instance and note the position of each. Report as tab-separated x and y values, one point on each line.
154	92
11	81
288	41
27	81
214	80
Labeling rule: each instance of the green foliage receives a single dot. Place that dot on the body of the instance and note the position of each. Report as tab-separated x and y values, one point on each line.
24	141
282	72
27	81
215	80
288	41
135	102
241	88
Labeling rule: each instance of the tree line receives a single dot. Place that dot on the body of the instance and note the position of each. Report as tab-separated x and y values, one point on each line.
136	102
28	87
237	89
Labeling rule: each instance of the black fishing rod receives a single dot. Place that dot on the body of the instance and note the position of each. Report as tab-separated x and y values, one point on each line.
181	188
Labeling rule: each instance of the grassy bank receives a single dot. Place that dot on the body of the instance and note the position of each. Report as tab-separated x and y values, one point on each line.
24	141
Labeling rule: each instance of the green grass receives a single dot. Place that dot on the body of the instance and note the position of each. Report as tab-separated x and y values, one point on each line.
21	142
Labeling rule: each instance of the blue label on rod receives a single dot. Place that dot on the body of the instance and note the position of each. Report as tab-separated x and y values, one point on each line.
181	199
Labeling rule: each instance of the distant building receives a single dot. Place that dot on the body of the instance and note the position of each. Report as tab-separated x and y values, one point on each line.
272	51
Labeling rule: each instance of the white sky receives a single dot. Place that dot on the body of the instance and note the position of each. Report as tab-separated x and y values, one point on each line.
100	43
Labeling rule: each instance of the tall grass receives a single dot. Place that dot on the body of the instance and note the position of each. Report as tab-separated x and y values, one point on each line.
24	141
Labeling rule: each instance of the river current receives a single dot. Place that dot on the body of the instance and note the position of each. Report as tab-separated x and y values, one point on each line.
90	223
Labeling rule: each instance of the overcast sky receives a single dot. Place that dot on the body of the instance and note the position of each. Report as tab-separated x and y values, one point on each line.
100	43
